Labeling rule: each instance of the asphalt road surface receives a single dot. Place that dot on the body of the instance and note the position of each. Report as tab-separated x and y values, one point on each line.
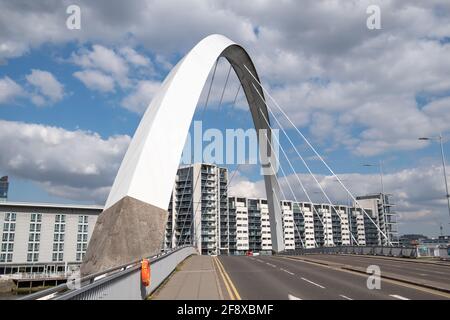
426	272
280	278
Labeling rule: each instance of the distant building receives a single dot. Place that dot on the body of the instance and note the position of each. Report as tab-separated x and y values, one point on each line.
4	185
408	240
439	241
47	238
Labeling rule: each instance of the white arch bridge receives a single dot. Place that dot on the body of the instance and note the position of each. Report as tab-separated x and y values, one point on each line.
133	222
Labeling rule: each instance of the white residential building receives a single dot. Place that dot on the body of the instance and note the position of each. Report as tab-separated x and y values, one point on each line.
198	208
238	219
383	215
288	225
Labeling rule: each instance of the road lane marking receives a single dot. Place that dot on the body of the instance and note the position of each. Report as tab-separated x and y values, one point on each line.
272	265
398	297
385	280
236	293
345	297
227	286
287	271
291	297
316	284
259	260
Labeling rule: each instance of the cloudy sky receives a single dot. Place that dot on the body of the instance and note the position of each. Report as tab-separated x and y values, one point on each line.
70	100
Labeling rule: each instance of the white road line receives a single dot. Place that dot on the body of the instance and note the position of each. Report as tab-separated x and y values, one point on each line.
291	297
272	265
316	284
398	297
345	297
259	260
287	271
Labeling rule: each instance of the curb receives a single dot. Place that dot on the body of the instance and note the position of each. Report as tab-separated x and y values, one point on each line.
410	260
424	285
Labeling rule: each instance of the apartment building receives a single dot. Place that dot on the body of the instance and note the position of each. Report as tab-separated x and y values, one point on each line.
39	237
238	226
198	209
233	225
384	217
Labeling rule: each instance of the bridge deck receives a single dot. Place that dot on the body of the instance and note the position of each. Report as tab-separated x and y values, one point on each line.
300	277
278	277
432	274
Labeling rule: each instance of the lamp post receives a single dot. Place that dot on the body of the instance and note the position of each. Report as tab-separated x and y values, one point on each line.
380	166
383	210
443	165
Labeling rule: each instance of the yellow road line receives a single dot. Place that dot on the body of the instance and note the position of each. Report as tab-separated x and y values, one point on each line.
230	293
236	293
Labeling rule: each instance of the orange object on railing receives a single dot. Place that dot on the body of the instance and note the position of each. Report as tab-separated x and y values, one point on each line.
145	272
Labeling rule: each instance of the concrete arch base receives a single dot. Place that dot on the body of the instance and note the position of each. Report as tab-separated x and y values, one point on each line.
128	231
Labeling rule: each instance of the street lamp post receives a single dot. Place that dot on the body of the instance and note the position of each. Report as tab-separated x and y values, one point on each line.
447	195
383	211
380	166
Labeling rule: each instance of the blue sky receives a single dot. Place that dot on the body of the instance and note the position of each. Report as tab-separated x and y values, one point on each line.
359	96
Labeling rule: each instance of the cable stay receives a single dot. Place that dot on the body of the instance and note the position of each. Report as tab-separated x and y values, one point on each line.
306	165
316	153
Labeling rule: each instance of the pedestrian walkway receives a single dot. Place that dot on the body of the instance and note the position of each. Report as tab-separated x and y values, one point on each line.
196	278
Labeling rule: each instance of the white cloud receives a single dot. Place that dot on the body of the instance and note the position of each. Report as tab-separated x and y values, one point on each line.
9	90
95	80
134	58
103	59
75	164
318	58
138	100
48	88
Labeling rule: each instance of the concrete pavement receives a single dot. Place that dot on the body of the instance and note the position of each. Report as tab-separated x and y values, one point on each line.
197	278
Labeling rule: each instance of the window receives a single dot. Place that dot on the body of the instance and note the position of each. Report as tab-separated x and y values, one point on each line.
34	237
58	237
82	237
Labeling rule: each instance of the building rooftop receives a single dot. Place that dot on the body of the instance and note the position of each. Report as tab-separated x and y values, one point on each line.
49	205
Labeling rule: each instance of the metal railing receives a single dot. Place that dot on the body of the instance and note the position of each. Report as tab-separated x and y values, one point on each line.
118	283
410	252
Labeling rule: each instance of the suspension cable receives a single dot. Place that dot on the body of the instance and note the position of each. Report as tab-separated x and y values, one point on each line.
201	117
318	155
290	188
304	162
224	87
